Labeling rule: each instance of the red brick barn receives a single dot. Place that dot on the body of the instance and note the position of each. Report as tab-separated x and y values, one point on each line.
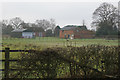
75	32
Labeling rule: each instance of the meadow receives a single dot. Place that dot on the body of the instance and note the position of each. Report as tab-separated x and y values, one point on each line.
45	42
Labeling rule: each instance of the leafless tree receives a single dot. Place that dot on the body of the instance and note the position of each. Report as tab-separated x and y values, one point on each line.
16	23
3	24
45	24
52	24
119	15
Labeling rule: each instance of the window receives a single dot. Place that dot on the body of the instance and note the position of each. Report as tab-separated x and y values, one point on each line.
68	36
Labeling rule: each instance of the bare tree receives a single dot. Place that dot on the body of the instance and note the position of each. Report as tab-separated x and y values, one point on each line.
16	23
45	24
119	16
4	24
52	24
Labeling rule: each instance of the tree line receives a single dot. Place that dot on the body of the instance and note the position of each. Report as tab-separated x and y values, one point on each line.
49	26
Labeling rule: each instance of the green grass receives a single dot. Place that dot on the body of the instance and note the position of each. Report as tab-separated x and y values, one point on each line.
44	42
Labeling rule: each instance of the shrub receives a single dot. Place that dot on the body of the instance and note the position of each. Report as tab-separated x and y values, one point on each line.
86	61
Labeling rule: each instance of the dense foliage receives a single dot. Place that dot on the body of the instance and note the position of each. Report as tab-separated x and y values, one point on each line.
105	19
72	62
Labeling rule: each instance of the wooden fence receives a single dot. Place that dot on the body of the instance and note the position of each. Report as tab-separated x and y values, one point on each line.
7	60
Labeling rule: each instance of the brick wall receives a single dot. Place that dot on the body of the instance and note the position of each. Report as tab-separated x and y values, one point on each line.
84	34
67	32
77	34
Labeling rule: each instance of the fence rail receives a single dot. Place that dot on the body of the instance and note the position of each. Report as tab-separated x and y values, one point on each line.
15	50
7	60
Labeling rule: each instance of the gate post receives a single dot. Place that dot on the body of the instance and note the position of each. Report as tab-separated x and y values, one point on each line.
119	63
6	73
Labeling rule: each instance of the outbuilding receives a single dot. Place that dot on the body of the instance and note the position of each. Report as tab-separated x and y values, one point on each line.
28	34
22	33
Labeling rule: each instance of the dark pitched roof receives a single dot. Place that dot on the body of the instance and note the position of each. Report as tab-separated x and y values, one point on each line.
36	29
72	27
68	28
83	27
30	29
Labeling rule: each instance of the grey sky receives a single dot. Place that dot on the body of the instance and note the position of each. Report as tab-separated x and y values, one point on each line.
63	12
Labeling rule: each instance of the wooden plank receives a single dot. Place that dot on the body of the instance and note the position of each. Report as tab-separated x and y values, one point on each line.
2	69
10	60
119	64
19	69
19	50
15	50
2	50
17	60
6	72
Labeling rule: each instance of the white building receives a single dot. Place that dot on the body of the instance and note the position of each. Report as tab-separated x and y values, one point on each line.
24	33
27	34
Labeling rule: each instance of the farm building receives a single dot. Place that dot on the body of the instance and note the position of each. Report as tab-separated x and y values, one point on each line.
27	33
75	32
38	31
17	33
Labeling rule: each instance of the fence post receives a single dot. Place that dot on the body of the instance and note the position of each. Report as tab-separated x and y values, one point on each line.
48	65
6	73
119	64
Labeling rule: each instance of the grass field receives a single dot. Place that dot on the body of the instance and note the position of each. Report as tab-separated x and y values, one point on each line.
45	42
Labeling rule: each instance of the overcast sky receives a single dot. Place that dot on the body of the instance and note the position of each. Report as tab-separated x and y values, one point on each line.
63	12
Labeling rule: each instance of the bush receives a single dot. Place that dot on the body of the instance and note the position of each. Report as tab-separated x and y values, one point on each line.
78	62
